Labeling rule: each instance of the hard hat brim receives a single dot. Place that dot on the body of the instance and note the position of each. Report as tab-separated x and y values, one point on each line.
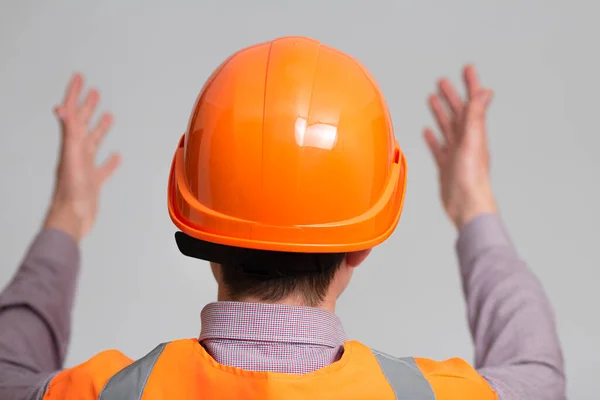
363	232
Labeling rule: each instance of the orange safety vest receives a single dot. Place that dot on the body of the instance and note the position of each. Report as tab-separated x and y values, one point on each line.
184	370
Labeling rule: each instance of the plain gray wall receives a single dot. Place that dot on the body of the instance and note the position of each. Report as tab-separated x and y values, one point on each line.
150	61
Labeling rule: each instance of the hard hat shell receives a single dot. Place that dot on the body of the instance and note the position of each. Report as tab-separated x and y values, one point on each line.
289	147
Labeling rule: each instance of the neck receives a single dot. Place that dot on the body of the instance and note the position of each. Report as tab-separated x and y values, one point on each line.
328	304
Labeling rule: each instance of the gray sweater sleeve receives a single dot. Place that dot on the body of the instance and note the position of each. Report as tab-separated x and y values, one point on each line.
511	320
35	315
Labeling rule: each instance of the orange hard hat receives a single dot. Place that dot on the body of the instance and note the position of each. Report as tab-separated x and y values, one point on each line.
290	148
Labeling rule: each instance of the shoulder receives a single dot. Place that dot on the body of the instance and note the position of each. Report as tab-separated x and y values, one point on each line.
453	374
88	377
91	377
447	379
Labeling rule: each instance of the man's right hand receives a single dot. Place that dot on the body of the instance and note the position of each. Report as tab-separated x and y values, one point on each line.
79	180
462	157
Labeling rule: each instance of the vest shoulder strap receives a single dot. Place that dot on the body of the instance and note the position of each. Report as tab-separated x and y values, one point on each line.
129	383
404	376
425	379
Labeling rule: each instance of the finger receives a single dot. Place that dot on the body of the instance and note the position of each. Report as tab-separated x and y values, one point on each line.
441	117
434	146
101	129
89	105
475	118
471	81
73	92
108	167
451	96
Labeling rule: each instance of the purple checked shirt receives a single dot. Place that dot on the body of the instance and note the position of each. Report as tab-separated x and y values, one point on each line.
511	321
270	337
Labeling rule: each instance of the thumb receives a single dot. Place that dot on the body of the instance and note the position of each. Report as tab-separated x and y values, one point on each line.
108	167
60	112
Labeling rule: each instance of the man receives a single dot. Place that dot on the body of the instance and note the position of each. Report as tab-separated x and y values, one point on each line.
288	175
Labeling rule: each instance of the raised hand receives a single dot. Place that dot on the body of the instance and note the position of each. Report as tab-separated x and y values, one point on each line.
462	156
78	179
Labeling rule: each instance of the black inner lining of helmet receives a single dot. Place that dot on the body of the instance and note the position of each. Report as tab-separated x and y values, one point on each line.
262	264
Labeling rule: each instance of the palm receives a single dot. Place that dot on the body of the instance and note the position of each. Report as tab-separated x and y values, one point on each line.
78	178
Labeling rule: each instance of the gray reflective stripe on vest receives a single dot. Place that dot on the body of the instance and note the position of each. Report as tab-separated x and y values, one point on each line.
405	377
130	382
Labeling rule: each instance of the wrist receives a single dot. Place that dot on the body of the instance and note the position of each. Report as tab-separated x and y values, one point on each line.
483	202
64	217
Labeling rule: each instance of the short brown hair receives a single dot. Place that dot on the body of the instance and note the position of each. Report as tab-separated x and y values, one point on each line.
311	286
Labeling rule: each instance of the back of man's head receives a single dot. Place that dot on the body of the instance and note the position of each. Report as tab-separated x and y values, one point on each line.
290	154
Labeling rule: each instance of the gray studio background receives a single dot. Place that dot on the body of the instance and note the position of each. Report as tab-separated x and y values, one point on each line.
150	60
